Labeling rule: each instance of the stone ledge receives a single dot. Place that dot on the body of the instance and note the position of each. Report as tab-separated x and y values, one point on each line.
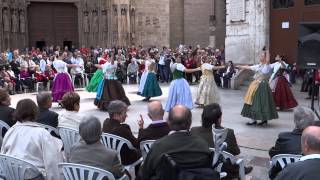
241	76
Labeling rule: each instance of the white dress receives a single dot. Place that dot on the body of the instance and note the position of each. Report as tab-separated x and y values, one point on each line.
207	91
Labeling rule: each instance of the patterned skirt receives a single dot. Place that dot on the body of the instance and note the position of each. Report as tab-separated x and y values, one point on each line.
110	90
61	85
283	96
179	94
262	107
95	80
207	91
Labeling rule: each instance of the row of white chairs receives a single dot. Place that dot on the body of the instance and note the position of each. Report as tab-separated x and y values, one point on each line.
71	136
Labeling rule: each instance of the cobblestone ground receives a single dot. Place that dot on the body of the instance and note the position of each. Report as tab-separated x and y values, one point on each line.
254	141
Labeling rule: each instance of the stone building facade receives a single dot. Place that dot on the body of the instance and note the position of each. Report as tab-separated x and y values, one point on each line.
106	23
247	30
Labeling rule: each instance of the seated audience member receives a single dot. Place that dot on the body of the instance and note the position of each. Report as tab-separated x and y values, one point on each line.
188	150
158	127
132	71
46	116
212	114
308	166
70	118
26	78
8	83
30	142
115	125
290	142
228	74
89	151
6	112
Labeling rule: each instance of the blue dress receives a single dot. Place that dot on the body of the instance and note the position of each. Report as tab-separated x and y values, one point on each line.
179	91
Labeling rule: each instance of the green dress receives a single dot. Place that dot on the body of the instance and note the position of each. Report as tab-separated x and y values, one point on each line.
151	87
95	80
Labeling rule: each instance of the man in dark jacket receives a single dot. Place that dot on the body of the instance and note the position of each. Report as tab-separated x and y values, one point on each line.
290	142
115	125
46	116
308	166
158	127
188	150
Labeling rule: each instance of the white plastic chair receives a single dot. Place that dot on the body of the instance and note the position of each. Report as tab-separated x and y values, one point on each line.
69	137
234	160
73	171
116	143
12	168
3	126
284	159
50	129
145	147
219	138
42	84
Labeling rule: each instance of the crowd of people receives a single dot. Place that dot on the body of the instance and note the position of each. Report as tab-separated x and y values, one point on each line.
107	70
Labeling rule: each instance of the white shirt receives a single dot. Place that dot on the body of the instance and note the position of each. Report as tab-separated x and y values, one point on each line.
70	119
34	144
60	66
311	156
43	65
158	121
78	69
161	61
177	66
262	68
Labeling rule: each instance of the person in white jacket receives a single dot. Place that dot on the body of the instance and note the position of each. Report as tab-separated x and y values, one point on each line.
30	142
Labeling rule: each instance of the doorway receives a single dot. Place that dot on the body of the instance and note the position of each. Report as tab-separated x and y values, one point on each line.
53	23
40	44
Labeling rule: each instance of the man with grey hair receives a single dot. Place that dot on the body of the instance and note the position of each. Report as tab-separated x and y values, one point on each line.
308	166
290	142
158	127
44	101
115	125
90	151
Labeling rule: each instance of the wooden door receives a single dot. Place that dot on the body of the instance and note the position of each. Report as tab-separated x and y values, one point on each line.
52	23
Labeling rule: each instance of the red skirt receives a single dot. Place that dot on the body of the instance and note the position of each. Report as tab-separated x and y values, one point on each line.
283	96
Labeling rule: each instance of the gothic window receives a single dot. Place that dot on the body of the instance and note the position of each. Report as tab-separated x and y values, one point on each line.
312	2
278	4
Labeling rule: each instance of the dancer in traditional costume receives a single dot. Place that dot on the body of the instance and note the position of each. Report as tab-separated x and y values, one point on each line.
279	84
144	75
110	88
207	91
151	87
62	82
179	91
259	103
96	78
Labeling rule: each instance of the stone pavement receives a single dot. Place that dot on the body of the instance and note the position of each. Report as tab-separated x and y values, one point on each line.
254	141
